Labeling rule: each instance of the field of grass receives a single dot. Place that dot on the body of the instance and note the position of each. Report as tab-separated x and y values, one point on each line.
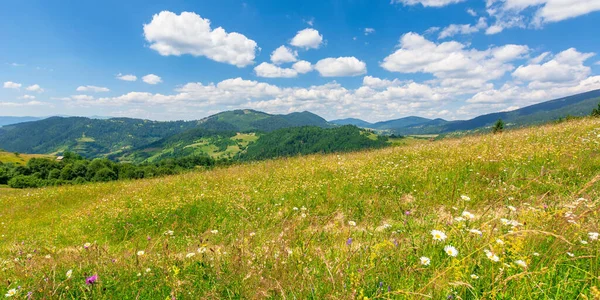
517	215
21	159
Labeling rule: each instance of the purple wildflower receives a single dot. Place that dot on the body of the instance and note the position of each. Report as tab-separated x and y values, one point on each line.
407	212
91	280
349	241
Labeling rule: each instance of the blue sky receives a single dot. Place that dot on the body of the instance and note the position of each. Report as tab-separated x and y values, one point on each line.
373	60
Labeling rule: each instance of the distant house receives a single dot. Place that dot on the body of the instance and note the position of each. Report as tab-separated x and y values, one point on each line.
59	158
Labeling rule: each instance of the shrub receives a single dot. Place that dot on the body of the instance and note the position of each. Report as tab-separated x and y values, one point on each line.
104	174
24	181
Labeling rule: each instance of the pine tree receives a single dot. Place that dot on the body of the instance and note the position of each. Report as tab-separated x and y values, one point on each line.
596	111
499	126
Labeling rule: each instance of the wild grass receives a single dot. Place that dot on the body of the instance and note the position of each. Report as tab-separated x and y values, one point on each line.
18	158
521	208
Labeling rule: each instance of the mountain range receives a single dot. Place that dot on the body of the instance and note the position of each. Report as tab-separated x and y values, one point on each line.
229	133
575	105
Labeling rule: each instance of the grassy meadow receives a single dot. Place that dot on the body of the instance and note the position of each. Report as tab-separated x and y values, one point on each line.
19	159
511	215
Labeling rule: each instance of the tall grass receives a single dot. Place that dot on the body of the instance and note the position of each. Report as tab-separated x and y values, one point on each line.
521	208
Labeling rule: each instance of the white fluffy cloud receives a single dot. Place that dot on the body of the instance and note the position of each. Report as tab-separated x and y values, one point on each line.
35	88
369	30
12	85
454	29
91	88
23	104
302	67
152	79
567	66
283	54
308	38
451	59
126	77
188	33
376	83
340	66
518	13
561	75
428	3
272	71
28	97
378	98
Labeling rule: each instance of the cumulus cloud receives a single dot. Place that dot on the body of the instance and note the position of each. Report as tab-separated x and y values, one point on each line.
471	12
91	88
517	13
494	29
561	75
308	38
302	67
455	29
538	59
283	54
188	33
272	71
451	59
126	77
28	97
369	30
35	88
12	85
21	104
567	66
341	66
152	79
376	83
427	3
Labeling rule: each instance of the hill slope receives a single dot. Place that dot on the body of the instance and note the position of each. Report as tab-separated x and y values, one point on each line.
6	120
89	137
575	105
112	137
248	120
340	226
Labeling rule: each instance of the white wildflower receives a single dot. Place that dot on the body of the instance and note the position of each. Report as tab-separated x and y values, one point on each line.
438	235
451	251
521	263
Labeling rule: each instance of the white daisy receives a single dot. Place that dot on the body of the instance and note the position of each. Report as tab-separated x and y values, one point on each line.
438	235
425	261
451	251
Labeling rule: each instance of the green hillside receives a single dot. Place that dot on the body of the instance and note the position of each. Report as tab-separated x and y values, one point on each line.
121	137
505	216
247	120
88	137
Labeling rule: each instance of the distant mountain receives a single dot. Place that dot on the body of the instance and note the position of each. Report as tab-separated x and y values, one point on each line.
248	120
400	123
391	124
352	121
115	137
575	105
89	137
15	120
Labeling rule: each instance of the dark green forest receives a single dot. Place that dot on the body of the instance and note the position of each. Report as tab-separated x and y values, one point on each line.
308	140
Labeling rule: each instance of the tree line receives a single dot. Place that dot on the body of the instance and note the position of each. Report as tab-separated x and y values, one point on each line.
74	169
